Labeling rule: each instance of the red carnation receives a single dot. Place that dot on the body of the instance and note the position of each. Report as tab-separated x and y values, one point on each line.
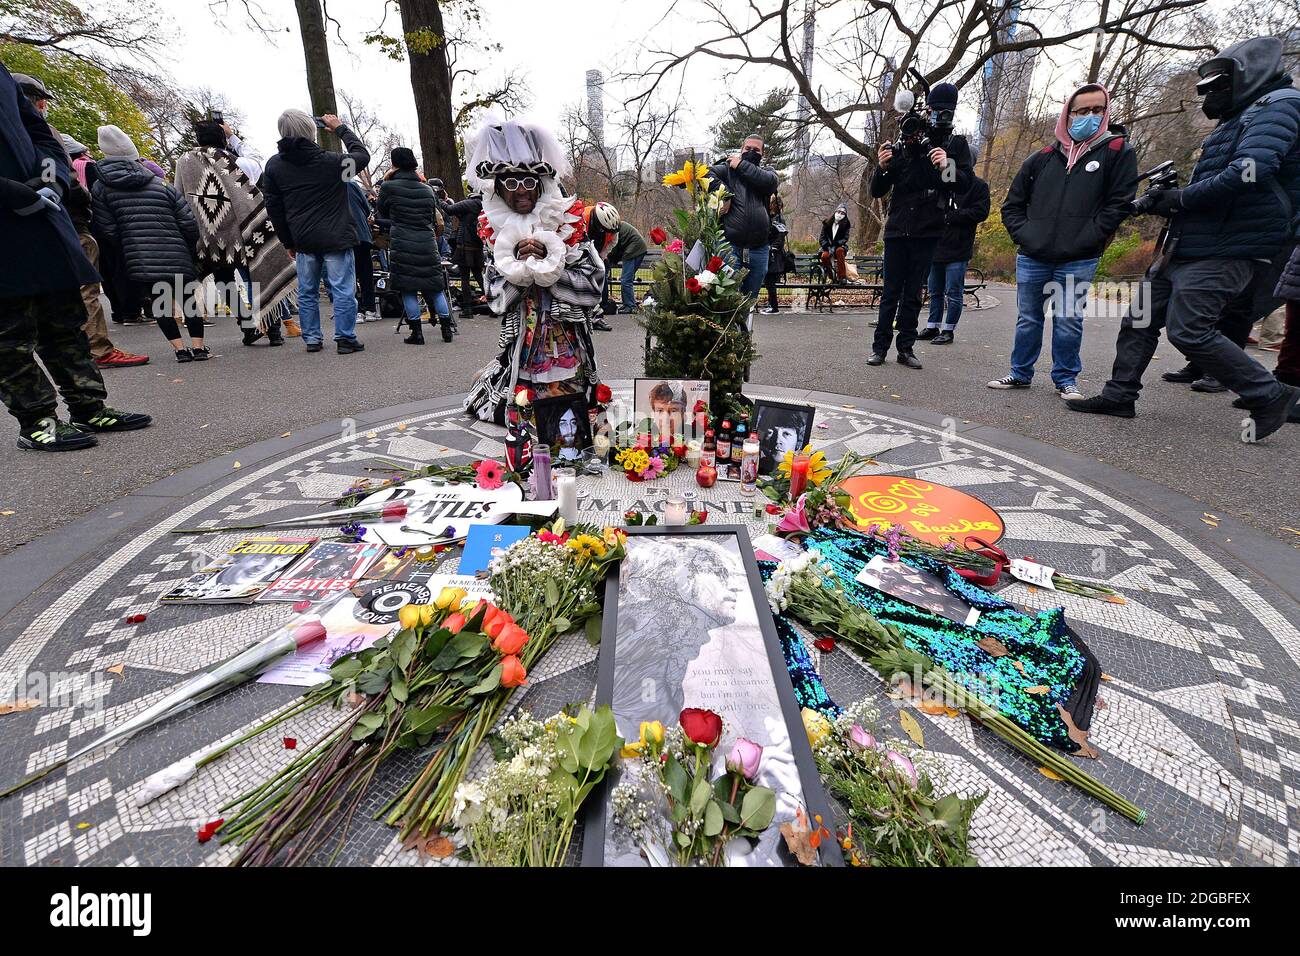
693	286
604	393
658	236
703	727
715	264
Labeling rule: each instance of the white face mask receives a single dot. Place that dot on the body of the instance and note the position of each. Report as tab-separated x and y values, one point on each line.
839	216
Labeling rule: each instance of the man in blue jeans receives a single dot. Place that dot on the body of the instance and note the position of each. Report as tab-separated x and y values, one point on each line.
1063	206
306	191
948	271
747	223
629	251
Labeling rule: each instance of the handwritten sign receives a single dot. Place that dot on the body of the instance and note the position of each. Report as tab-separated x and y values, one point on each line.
935	514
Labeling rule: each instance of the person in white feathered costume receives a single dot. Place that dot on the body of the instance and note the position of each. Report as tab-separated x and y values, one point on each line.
543	277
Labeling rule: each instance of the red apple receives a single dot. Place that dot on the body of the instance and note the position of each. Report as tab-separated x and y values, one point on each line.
706	476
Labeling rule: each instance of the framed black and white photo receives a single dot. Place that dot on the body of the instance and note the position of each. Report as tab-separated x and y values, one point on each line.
687	624
780	428
564	424
669	405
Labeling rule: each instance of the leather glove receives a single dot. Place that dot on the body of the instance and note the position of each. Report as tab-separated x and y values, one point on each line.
1167	202
18	197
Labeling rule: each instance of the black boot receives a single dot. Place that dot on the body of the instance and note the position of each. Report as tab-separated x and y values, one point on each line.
927	333
417	334
1276	413
447	332
274	334
251	336
1184	376
1208	383
943	338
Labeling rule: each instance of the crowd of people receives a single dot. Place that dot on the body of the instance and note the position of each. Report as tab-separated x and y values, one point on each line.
260	241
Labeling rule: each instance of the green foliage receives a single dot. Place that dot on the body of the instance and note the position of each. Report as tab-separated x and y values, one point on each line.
83	97
1125	256
763	118
995	252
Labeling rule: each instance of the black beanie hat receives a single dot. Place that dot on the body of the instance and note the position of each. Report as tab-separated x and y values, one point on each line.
942	97
404	158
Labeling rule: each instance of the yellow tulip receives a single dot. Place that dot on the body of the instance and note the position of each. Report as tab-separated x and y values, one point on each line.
652	731
413	615
447	597
815	725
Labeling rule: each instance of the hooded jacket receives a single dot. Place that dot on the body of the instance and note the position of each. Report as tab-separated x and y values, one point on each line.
1235	205
466	212
966	213
1288	286
1068	199
148	220
41	252
413	260
835	234
747	222
306	193
920	195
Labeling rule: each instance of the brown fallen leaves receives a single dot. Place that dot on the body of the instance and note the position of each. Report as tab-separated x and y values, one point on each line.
18	706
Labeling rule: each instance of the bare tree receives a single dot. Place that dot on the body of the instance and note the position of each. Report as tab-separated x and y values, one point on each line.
380	138
106	37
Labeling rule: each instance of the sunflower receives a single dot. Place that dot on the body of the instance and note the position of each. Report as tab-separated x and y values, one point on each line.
690	175
818	469
586	547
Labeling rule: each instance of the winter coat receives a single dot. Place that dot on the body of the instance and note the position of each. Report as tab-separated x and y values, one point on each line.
359	207
40	252
967	211
1059	216
747	222
1233	206
777	235
835	234
148	220
629	245
1288	287
466	212
413	260
920	195
306	193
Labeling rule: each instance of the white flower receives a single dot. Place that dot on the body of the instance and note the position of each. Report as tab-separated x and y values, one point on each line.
468	809
705	277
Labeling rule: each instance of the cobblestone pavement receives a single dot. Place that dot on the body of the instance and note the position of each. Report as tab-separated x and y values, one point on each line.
1201	726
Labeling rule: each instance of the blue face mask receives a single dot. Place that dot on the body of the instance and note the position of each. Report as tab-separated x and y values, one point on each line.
1083	127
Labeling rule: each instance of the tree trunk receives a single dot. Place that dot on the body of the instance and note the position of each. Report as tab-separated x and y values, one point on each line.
316	53
431	85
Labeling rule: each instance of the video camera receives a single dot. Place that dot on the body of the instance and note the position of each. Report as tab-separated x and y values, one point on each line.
917	135
1164	176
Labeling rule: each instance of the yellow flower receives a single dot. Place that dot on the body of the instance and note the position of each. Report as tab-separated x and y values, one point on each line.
413	615
652	732
587	547
614	536
815	725
690	175
634	459
449	596
818	469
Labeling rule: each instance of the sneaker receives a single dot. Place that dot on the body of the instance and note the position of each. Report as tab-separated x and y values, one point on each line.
624	310
348	346
251	336
769	311
600	325
292	330
201	354
1276	413
1009	381
1103	406
909	359
1184	376
877	358
314	346
1070	392
184	355
943	338
50	434
1209	384
927	333
111	420
119	359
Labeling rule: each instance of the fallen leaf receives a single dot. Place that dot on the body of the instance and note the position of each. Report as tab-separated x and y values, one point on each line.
237	465
204	425
83	826
1018	666
1106	677
290	743
370	434
401	426
912	728
931	707
116	669
286	434
800	844
824	644
1037	689
7	513
439	847
1050	774
18	706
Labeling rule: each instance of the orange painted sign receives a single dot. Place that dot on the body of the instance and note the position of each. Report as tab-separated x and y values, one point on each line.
935	514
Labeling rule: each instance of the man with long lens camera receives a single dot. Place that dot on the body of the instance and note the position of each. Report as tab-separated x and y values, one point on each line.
922	169
1237	212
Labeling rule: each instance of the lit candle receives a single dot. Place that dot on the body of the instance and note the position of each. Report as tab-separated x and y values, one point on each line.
798	476
675	511
566	490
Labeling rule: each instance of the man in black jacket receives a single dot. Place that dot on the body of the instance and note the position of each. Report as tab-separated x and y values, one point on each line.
307	199
747	223
951	256
921	187
1063	206
1237	213
469	247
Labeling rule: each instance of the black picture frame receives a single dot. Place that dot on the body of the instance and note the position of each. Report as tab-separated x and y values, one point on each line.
549	414
595	819
770	416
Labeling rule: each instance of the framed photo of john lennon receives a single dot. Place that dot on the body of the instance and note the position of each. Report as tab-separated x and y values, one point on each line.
564	423
669	404
687	624
780	428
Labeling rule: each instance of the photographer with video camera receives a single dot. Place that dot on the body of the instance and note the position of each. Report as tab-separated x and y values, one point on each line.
1063	206
1238	211
922	169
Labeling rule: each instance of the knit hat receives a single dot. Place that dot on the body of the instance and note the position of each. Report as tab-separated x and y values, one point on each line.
72	146
403	157
942	97
295	124
115	144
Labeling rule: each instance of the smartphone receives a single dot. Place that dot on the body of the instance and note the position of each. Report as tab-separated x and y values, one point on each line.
216	116
320	123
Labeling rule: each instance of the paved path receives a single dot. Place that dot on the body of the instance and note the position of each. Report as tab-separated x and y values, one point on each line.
1202	727
1182	440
